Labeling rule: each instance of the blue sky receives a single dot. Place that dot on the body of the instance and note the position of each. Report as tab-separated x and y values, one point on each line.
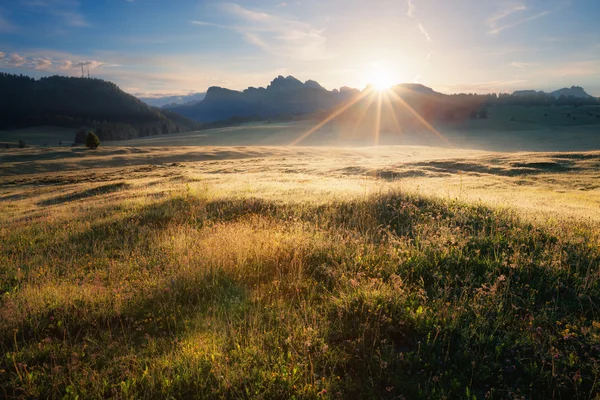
154	47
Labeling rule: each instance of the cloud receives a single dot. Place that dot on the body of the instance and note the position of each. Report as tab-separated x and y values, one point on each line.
485	87
411	14
66	10
504	19
41	64
573	69
275	34
1	55
72	18
496	18
92	64
411	9
424	32
522	65
51	61
66	65
5	25
16	60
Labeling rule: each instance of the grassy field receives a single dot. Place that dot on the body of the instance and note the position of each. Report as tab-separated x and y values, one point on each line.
278	272
523	129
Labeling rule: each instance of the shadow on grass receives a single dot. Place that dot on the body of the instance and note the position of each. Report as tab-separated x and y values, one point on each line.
514	169
97	191
450	252
149	327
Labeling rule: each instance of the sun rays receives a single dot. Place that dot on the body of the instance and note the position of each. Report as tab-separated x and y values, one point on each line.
331	116
387	97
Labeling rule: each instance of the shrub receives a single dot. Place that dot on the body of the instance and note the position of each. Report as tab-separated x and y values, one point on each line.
92	141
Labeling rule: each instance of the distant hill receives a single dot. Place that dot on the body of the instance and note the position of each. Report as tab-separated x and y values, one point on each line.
283	96
573	91
75	102
527	93
173	101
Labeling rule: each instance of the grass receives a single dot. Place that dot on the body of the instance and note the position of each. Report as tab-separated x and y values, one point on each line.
539	128
188	281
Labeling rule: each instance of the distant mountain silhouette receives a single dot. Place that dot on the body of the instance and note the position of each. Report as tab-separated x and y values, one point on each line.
76	102
527	93
173	101
283	96
573	91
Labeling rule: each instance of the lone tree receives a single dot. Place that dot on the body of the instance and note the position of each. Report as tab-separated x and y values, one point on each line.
92	141
22	144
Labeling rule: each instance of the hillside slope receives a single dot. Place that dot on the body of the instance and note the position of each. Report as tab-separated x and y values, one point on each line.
75	102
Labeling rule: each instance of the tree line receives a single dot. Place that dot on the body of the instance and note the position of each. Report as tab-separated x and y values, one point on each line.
76	102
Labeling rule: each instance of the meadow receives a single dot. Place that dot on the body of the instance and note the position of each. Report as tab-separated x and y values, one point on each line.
507	129
299	272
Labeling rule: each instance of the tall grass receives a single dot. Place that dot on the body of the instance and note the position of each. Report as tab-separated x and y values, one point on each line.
391	296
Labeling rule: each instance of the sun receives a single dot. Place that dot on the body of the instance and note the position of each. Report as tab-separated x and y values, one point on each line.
380	78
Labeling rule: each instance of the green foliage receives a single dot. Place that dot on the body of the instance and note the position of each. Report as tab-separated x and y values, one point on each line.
392	296
92	141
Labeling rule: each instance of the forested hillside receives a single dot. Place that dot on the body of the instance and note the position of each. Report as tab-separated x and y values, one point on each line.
82	102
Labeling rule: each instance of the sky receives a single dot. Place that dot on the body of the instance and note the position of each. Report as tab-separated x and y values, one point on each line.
175	47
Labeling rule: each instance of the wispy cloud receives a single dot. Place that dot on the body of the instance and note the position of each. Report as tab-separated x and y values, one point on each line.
275	34
411	13
505	19
522	65
66	10
411	9
424	32
5	25
494	20
50	61
573	69
499	86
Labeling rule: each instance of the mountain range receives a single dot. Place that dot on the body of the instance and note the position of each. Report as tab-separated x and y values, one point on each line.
283	96
287	96
173	101
115	115
573	91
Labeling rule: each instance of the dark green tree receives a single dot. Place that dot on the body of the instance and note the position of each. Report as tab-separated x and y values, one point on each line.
92	141
22	144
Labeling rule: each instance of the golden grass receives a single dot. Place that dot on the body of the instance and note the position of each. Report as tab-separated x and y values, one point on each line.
299	273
